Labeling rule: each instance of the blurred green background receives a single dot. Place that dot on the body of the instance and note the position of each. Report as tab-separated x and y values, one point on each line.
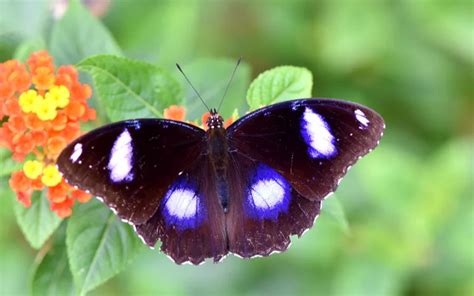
408	205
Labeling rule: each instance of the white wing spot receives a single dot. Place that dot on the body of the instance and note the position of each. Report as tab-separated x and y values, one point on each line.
120	163
182	203
317	134
267	194
76	153
360	116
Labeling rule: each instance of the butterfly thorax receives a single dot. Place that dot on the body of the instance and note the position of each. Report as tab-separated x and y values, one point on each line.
218	155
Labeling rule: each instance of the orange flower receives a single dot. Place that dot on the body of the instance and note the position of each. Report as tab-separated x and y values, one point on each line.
17	124
58	193
179	113
43	78
63	209
24	198
55	145
11	107
42	108
204	119
81	196
75	110
175	112
19	181
227	122
6	90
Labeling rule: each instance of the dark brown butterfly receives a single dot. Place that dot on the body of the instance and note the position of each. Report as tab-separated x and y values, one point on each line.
245	189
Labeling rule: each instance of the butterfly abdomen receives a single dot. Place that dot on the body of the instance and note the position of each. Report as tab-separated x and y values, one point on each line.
219	158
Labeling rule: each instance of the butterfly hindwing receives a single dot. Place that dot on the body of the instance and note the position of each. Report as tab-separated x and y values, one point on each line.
190	220
310	142
264	210
130	164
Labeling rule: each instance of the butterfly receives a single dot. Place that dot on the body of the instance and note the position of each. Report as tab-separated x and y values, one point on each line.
245	189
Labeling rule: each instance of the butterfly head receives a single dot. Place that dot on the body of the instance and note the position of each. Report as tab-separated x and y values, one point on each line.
215	120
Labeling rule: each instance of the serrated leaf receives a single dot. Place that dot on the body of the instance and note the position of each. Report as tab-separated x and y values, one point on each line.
279	84
78	35
52	275
7	164
131	89
37	222
210	77
99	245
333	207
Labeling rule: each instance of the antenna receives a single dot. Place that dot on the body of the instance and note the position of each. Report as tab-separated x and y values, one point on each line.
228	84
181	70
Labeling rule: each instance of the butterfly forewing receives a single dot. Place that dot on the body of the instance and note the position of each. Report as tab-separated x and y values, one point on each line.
130	164
310	142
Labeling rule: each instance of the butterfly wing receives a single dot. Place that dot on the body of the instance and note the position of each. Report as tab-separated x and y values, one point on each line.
130	164
286	158
154	174
190	220
265	210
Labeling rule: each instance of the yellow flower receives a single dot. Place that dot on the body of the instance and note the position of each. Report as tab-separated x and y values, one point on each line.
29	101
33	168
51	176
46	109
59	94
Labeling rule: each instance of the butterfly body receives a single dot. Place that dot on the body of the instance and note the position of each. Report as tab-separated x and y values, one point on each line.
245	189
218	153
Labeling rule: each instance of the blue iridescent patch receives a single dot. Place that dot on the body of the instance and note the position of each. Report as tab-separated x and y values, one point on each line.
182	205
268	194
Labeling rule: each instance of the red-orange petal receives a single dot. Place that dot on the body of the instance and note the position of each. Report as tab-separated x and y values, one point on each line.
24	144
6	90
204	119
19	182
59	122
81	196
24	197
71	131
75	110
39	137
17	124
6	137
56	145
175	112
43	78
11	107
63	209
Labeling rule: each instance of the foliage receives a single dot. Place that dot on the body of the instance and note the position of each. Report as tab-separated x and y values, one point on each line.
402	219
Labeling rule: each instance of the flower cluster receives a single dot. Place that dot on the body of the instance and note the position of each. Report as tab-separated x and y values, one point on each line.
178	113
41	108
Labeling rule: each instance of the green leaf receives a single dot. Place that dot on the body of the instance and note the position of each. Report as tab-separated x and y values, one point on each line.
171	41
210	77
37	222
26	48
333	207
99	245
131	89
279	84
8	43
24	18
52	275
7	164
78	35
